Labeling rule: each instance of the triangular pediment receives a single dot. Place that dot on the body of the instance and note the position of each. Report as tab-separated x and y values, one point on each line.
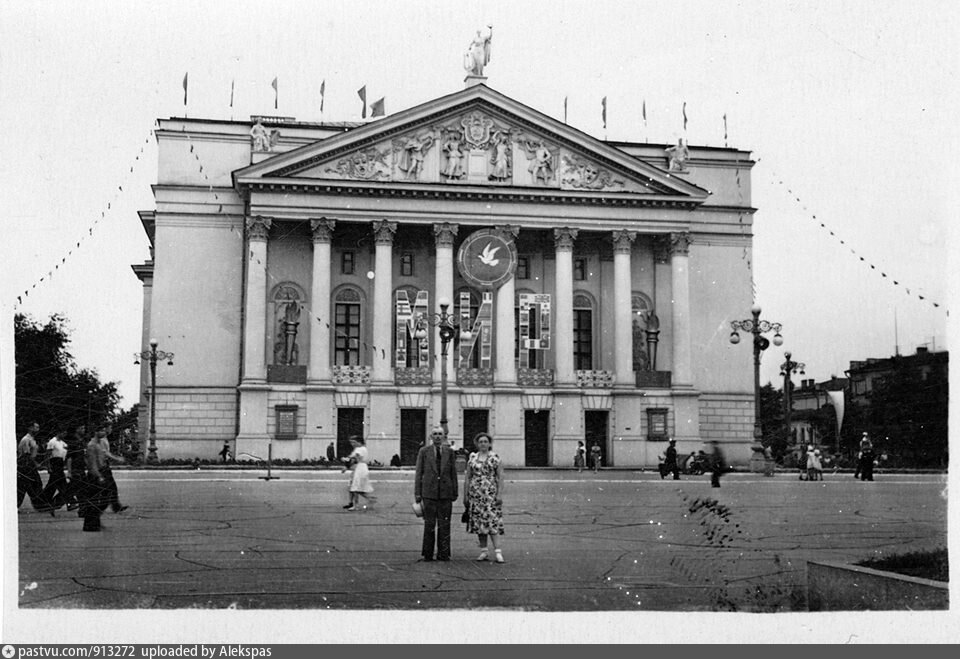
474	137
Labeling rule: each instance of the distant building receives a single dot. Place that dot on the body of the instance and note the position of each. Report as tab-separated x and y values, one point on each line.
866	375
808	398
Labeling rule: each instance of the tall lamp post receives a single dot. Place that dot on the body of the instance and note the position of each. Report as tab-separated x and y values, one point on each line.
786	368
153	355
446	323
756	327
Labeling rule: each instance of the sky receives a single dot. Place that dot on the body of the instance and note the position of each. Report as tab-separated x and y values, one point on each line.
848	108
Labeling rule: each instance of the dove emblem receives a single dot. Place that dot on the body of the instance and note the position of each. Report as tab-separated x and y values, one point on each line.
486	256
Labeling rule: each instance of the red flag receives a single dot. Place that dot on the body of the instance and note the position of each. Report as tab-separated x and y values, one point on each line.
362	93
185	87
323	89
604	104
377	109
232	82
684	115
276	93
564	109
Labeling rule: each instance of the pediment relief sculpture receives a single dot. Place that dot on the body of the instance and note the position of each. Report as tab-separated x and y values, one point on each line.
410	152
541	158
366	164
580	173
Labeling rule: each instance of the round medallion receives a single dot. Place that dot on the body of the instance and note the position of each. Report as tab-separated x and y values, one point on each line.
487	258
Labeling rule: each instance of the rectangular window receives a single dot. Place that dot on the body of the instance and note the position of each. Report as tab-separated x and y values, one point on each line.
657	423
406	264
523	267
583	339
580	269
346	263
347	334
286	421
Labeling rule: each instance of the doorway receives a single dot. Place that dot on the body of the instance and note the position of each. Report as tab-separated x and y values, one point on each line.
349	422
536	430
474	421
595	432
413	434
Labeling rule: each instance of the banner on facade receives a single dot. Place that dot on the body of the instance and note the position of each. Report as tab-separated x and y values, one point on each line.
836	397
487	258
534	325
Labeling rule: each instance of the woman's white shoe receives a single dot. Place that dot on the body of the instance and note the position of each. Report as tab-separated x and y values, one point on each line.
498	557
483	555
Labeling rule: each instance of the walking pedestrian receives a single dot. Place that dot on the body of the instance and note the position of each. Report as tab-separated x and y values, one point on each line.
866	458
225	451
96	490
596	457
55	493
717	464
670	461
29	482
360	485
331	453
817	464
580	457
76	467
483	496
113	494
811	464
435	486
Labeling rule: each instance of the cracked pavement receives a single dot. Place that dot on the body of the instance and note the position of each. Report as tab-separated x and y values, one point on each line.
618	540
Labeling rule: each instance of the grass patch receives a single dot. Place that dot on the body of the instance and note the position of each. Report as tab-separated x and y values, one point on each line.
924	564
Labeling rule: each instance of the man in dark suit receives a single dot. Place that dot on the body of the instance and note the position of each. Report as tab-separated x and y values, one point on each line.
435	487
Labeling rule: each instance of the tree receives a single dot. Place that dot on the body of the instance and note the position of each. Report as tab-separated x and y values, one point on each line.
51	389
771	421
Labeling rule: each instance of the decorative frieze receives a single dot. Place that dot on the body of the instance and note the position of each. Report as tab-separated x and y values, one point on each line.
595	379
413	376
475	377
355	375
583	174
258	227
366	164
535	377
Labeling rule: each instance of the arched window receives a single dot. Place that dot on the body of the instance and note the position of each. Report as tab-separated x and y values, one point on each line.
347	317
582	332
641	308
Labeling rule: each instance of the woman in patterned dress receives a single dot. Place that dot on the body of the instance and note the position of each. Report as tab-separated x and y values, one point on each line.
483	485
360	485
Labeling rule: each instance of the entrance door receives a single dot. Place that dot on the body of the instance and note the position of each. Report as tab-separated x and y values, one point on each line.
413	434
349	422
474	421
536	428
595	426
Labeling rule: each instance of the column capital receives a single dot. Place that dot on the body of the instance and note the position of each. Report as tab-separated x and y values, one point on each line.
680	243
563	239
511	230
322	229
623	241
445	233
258	227
383	231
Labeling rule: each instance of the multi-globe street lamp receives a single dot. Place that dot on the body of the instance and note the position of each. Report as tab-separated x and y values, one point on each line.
446	324
152	356
786	368
756	327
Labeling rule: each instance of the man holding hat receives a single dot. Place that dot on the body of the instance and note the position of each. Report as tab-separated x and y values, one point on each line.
435	488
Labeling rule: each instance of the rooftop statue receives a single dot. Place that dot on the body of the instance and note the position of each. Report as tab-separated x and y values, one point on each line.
478	55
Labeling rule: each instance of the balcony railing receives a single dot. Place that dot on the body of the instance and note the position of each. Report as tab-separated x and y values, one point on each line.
415	376
351	375
595	379
535	377
475	377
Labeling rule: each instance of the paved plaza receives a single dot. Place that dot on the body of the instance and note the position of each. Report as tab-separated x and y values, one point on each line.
618	540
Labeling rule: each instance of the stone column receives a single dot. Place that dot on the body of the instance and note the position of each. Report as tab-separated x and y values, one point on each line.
563	320
506	371
444	235
254	335
382	304
622	311
319	364
680	275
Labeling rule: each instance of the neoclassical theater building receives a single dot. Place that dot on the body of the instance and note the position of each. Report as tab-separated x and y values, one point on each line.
297	270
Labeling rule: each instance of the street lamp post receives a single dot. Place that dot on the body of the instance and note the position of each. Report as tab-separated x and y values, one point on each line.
448	328
786	368
756	327
153	355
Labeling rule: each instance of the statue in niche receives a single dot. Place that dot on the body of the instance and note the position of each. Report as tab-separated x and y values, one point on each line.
653	337
412	153
678	156
478	54
542	164
500	158
453	150
286	351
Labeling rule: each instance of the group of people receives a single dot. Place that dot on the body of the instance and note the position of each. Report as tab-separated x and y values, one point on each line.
812	465
581	456
79	474
436	488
